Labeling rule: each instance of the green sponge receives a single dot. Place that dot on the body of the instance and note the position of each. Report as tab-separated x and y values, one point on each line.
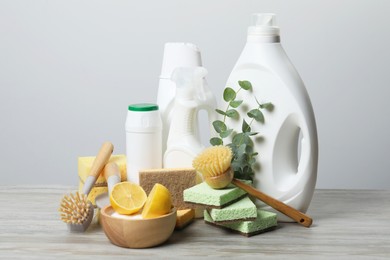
242	210
265	221
203	194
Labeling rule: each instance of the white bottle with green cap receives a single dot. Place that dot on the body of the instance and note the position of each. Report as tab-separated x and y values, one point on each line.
143	139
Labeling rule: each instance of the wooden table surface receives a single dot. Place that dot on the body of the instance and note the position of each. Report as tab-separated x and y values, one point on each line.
348	224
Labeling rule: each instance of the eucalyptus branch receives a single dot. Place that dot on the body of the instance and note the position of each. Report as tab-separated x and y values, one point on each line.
242	145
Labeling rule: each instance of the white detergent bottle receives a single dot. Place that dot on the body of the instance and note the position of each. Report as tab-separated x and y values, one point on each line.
176	54
288	147
192	95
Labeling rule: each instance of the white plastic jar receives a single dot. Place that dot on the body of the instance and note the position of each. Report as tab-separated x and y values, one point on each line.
143	139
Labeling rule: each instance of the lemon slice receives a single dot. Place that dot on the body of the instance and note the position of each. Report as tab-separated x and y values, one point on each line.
127	198
159	202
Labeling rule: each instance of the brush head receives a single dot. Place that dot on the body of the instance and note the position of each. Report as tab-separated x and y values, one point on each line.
76	211
214	164
220	181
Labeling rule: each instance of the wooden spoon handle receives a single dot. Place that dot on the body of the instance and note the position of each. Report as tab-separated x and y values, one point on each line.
296	215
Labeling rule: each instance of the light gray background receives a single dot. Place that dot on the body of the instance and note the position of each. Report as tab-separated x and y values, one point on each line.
68	70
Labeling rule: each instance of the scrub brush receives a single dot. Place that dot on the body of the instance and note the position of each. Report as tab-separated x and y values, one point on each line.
214	163
76	211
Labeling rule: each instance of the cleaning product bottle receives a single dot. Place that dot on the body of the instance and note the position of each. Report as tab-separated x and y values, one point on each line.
288	146
192	95
143	139
176	54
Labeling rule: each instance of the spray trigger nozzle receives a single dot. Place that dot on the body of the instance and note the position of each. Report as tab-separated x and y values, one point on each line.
189	82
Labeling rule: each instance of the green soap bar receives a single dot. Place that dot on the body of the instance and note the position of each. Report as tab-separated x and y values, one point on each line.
265	221
205	195
243	209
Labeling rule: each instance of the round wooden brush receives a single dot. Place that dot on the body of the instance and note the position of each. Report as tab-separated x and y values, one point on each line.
214	164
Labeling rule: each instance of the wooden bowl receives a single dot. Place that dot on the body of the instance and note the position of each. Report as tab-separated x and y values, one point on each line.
137	232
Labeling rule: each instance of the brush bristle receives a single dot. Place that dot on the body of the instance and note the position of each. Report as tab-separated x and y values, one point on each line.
213	161
74	209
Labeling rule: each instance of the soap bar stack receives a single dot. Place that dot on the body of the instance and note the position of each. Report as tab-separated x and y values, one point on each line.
230	208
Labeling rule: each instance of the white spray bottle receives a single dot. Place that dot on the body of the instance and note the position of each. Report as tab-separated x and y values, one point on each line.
192	95
176	54
288	149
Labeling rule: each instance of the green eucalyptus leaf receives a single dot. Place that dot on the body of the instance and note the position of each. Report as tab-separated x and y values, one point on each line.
232	113
231	146
219	126
257	115
245	84
267	106
241	149
235	103
241	138
236	166
242	159
237	139
247	173
216	141
226	133
249	149
245	127
220	112
251	133
252	161
247	140
229	94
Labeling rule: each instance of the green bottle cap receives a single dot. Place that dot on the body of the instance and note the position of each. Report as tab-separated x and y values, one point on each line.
143	107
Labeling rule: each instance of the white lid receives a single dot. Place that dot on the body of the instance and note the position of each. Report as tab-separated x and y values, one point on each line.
264	24
179	54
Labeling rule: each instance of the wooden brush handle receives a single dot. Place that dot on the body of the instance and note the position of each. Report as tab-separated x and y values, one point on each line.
276	204
111	169
98	165
101	159
112	175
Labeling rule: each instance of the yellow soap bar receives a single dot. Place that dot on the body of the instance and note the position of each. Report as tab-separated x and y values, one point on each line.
84	167
184	217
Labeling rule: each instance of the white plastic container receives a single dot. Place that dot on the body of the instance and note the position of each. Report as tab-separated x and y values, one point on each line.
143	139
176	54
288	149
183	142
